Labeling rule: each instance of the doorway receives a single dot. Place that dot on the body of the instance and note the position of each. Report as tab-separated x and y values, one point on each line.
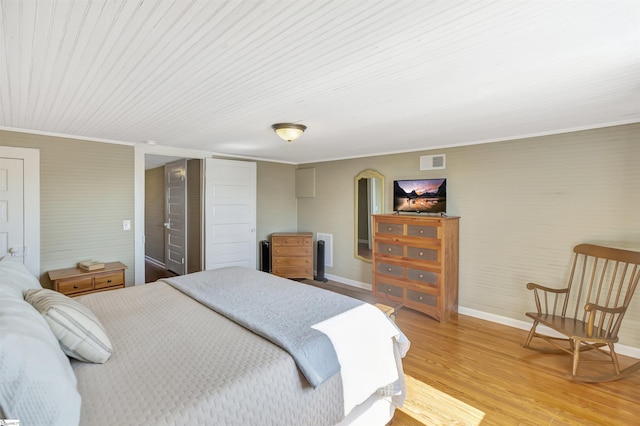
172	240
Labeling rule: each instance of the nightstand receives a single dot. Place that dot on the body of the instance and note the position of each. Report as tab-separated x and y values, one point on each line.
77	282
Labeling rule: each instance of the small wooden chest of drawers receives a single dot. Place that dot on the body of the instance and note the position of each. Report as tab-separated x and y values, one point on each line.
415	262
77	282
292	254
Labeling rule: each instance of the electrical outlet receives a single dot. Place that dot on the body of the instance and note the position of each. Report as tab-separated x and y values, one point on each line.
126	225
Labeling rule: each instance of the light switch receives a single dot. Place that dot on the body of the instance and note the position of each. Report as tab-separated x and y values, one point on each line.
126	225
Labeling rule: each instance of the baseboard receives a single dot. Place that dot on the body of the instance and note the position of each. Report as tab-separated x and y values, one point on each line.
499	319
524	325
155	262
350	282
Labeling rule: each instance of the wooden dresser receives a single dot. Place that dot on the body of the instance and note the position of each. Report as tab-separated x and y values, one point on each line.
415	262
292	254
77	282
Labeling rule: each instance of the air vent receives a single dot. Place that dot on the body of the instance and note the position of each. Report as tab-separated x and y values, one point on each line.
432	162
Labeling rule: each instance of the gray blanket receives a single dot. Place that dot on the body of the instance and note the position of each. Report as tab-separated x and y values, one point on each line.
275	308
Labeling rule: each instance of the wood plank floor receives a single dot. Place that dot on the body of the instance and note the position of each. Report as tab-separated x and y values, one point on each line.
482	366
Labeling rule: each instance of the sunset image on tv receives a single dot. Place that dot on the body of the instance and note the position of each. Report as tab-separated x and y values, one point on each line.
420	196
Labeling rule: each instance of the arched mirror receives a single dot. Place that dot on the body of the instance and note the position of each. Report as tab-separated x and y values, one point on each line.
369	199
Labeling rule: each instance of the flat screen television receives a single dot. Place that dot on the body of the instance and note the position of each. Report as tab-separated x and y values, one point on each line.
420	196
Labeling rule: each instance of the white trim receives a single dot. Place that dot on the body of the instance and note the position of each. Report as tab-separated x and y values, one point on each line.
350	282
525	325
31	182
499	319
63	135
155	262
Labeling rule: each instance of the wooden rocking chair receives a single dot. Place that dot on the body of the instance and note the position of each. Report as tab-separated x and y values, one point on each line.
589	311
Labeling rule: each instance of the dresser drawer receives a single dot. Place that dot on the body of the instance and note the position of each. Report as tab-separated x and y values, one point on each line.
392	270
75	285
292	241
420	253
423	231
389	290
422	298
108	280
390	228
421	276
293	271
292	261
292	251
391	249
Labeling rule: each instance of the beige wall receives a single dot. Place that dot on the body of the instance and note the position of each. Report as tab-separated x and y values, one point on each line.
86	191
276	200
523	205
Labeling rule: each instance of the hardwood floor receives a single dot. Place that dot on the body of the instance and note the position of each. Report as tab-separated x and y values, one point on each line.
482	366
153	272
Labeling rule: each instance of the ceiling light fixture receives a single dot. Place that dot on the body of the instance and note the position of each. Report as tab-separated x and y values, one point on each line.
289	131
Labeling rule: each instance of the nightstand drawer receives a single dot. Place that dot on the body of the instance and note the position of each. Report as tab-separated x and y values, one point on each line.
109	280
75	285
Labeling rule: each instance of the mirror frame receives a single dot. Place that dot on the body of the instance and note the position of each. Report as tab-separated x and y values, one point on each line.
365	174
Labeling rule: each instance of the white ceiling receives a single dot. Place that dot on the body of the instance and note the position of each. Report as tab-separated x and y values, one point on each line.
366	77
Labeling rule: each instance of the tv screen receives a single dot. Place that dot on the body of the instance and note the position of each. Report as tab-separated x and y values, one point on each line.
420	196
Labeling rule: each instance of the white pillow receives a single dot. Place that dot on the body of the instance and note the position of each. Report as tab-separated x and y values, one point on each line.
79	332
15	278
37	384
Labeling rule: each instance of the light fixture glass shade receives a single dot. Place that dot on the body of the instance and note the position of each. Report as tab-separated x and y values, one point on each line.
289	131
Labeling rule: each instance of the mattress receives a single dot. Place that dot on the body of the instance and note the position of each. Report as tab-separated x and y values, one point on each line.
177	362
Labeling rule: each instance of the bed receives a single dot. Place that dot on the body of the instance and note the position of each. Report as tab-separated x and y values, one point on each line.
182	352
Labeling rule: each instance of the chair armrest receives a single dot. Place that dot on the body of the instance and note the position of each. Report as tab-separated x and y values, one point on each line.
592	307
534	286
608	322
547	293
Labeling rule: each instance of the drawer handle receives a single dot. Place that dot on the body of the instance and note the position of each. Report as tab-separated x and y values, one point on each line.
420	276
389	269
389	249
421	253
388	290
421	231
108	281
389	228
75	286
420	297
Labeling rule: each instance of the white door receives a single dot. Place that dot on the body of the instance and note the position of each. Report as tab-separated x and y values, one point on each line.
11	207
230	213
20	205
175	212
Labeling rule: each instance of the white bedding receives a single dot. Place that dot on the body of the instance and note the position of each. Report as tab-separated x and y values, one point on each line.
364	341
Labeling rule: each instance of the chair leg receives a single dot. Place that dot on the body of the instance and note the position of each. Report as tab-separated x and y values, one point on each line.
576	356
614	358
532	332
